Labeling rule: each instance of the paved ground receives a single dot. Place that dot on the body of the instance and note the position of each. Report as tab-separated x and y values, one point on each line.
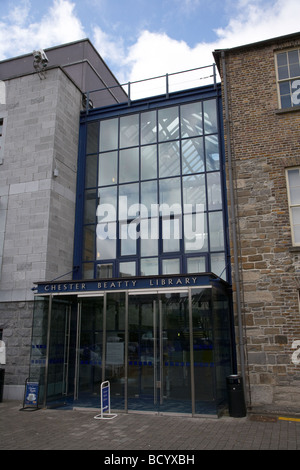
48	429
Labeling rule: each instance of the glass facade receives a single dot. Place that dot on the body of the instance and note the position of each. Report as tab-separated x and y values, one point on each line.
153	192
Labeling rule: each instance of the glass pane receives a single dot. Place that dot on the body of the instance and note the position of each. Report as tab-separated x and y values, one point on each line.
89	206
193	188
171	234
196	265
283	72
127	269
89	243
149	234
108	135
149	162
168	122
297	234
286	101
107	207
217	264
284	88
212	153
149	267
104	271
295	92
149	246
216	231
91	171
149	194
195	232
296	215
169	159
128	237
106	241
169	191
293	57
148	127
191	119
128	201
192	156
92	137
294	178
171	266
214	193
129	131
129	165
108	168
88	271
115	348
282	59
295	70
210	117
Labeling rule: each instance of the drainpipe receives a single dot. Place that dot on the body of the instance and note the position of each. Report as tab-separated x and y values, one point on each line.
233	222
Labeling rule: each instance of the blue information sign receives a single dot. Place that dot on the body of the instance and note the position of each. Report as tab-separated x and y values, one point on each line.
31	394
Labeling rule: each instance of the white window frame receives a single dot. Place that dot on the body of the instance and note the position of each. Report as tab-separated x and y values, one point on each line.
291	206
294	82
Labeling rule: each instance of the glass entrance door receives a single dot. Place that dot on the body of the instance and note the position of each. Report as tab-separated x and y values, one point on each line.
159	352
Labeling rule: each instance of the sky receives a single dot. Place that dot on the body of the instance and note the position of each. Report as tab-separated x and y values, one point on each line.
140	39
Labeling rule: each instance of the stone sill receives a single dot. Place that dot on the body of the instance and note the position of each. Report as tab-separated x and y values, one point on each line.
287	110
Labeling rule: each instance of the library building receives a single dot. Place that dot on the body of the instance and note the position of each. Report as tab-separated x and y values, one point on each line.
152	242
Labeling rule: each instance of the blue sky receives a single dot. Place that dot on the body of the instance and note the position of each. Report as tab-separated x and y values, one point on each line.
142	38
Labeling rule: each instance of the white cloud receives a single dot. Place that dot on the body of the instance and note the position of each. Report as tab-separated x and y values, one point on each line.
19	36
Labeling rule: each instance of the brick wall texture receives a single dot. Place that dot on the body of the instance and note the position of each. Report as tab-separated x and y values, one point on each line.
264	143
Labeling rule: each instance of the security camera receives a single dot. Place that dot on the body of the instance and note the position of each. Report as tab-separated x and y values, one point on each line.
40	57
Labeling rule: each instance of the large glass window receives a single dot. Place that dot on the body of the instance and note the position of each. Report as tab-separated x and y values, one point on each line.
154	193
293	183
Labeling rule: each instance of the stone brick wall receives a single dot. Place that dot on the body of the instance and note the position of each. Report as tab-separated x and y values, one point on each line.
264	142
37	206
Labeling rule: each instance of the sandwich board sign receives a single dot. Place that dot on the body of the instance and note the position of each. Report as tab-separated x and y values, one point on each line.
105	402
31	395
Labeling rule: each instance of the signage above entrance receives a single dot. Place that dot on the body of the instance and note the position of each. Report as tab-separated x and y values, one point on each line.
103	285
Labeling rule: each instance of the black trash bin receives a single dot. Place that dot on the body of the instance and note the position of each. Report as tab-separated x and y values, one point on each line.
2	372
236	397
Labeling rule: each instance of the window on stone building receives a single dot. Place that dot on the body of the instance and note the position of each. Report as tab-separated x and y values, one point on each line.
293	184
288	76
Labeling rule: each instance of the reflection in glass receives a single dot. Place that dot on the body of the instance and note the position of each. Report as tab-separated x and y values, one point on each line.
212	153
195	232
148	127
91	171
171	234
89	243
129	131
191	119
169	159
193	188
107	204
210	117
168	124
128	237
128	200
216	231
192	155
106	247
127	269
214	193
104	271
149	162
169	191
92	137
149	194
129	165
108	168
89	206
196	264
217	264
149	266
171	266
108	134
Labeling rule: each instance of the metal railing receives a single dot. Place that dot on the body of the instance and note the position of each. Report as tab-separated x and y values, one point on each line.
138	89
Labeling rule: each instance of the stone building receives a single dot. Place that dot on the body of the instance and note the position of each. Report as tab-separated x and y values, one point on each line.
261	103
39	128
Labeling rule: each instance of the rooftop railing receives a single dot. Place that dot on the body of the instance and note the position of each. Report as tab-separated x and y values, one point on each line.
150	87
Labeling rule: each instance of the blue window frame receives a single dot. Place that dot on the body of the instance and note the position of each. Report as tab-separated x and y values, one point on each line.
151	191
